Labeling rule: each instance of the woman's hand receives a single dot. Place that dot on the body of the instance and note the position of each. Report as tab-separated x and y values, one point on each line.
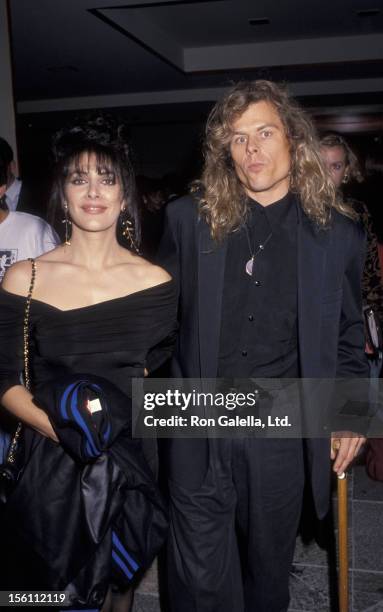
48	432
18	401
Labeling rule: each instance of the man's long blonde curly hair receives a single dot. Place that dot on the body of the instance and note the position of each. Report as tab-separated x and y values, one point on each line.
222	197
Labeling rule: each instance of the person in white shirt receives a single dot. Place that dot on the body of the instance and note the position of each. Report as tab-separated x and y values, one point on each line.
21	235
13	184
12	194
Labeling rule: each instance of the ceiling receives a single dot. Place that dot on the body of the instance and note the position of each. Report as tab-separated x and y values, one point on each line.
73	54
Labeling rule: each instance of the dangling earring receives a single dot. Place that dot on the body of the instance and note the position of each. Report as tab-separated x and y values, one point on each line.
68	223
128	230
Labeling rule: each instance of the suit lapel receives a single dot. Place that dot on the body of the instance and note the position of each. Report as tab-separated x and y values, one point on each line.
312	253
211	270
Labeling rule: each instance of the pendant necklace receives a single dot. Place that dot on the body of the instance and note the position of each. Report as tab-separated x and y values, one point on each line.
253	253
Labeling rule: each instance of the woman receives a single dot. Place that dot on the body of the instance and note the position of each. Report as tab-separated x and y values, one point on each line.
96	306
344	168
340	160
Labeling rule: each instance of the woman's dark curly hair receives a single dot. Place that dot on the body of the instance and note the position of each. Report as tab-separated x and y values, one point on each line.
106	138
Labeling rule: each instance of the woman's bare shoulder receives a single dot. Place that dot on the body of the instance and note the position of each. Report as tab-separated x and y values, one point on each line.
153	274
17	279
156	274
53	256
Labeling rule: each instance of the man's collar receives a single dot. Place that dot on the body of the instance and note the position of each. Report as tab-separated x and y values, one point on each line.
277	212
12	194
285	200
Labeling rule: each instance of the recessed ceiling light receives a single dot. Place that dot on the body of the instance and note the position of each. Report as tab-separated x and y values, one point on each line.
259	21
368	12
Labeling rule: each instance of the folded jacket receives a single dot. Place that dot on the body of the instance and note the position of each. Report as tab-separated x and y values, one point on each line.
87	508
87	414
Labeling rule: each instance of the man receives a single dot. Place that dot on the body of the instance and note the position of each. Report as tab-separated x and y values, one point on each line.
13	184
21	235
269	277
17	195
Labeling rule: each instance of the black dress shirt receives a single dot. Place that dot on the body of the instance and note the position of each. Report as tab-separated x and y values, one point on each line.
259	332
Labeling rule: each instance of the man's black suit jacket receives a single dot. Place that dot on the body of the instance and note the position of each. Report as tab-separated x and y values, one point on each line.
330	325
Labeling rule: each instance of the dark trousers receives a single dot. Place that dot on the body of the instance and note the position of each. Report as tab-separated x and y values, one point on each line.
235	509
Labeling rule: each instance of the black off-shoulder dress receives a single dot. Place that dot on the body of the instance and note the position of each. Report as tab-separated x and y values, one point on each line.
115	339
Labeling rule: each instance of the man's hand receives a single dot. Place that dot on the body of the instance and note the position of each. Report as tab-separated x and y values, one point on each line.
345	446
368	348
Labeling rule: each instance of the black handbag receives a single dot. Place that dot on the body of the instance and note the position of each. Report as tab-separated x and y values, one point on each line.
12	467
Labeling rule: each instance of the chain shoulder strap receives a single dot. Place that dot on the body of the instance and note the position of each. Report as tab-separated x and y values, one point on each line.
27	379
11	457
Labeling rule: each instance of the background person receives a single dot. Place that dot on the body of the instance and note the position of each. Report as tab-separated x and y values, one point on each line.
17	195
21	235
344	169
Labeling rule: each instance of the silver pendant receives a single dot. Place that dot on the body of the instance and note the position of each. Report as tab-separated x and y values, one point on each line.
249	267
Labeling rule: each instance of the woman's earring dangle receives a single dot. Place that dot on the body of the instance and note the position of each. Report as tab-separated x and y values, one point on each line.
128	230
68	224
